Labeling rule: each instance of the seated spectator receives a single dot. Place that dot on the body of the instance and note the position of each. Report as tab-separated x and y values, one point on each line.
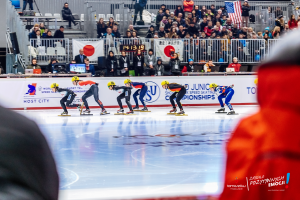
163	22
224	31
35	27
217	19
163	8
190	67
60	32
189	19
213	8
267	32
188	6
259	35
111	64
203	24
134	34
45	33
138	63
175	25
124	63
111	23
235	64
181	33
181	21
32	35
203	35
89	68
223	20
131	29
172	16
116	32
128	35
194	15
280	22
161	32
218	24
150	33
250	33
208	65
213	35
67	15
159	68
178	10
49	68
278	12
33	64
209	13
224	12
192	29
150	63
80	58
172	33
208	29
292	22
175	65
276	32
203	11
42	28
168	26
166	35
49	34
167	13
244	32
198	12
159	18
101	28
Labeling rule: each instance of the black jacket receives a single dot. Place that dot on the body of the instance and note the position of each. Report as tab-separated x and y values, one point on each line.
117	34
202	26
27	166
59	34
150	34
190	68
66	13
181	34
168	26
192	30
161	34
111	63
245	11
101	29
78	60
137	59
121	62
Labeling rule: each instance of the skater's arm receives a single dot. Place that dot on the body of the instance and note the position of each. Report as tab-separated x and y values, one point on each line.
84	83
121	87
65	90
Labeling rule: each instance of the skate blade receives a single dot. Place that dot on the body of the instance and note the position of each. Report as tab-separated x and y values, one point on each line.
64	115
221	112
171	113
181	115
85	114
137	111
123	114
233	114
104	113
145	111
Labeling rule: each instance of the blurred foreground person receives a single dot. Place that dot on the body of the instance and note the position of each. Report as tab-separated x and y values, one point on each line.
27	167
263	155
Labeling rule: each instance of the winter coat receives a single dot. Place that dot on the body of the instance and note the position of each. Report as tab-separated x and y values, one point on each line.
59	34
111	63
123	61
66	13
208	31
175	65
136	60
188	6
159	68
292	24
149	59
236	66
101	29
245	11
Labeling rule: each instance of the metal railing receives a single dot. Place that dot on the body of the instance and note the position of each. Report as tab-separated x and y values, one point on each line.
271	43
248	50
46	49
216	50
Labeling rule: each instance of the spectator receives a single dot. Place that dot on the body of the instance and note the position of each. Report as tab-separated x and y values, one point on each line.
124	63
276	32
138	63
161	32
181	33
280	22
49	68
278	12
163	7
80	58
25	2
194	15
131	29
178	10
203	11
198	12
192	29
213	8
128	35
49	34
101	28
203	24
138	8
111	64
190	67
175	65
286	29
250	33
259	35
168	26
134	35
163	22
116	32
89	68
244	32
208	29
245	14
208	65
42	28
223	20
217	19
224	31
159	18
166	35
218	25
189	19
235	64
33	64
209	13
167	13
181	21
32	35
213	35
224	12
292	22
203	35
111	23
267	32
188	6
45	33
172	16
59	33
150	63
150	33
159	68
269	9
109	35
172	33
67	15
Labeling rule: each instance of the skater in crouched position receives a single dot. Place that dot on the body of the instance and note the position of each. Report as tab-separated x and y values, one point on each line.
142	91
93	90
223	92
179	92
68	98
125	93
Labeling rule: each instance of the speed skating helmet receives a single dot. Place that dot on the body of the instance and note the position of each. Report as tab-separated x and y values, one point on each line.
75	78
110	83
54	85
212	85
165	83
127	81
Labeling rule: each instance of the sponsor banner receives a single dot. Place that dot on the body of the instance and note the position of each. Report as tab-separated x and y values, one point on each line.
36	92
92	49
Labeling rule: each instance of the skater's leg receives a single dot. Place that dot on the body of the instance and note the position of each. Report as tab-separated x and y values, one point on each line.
62	103
142	95
127	99
85	96
220	97
134	97
180	95
228	99
172	97
121	96
96	96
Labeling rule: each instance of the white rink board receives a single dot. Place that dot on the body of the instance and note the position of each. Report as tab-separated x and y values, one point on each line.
14	90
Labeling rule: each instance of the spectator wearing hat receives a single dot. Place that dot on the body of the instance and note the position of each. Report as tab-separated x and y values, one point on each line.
245	14
224	11
130	29
235	64
150	63
163	7
138	8
190	67
267	32
150	33
292	22
188	6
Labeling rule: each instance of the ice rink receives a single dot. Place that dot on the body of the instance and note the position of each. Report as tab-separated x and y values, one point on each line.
143	155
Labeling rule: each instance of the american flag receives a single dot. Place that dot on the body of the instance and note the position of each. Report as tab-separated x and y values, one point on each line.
234	11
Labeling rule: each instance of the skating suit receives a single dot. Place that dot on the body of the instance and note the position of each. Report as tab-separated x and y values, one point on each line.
225	92
92	91
125	93
179	92
69	96
142	91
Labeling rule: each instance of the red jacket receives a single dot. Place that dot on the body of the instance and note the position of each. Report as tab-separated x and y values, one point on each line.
266	144
208	31
236	66
188	6
292	24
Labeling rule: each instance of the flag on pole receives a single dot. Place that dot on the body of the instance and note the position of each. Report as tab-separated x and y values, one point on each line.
234	11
